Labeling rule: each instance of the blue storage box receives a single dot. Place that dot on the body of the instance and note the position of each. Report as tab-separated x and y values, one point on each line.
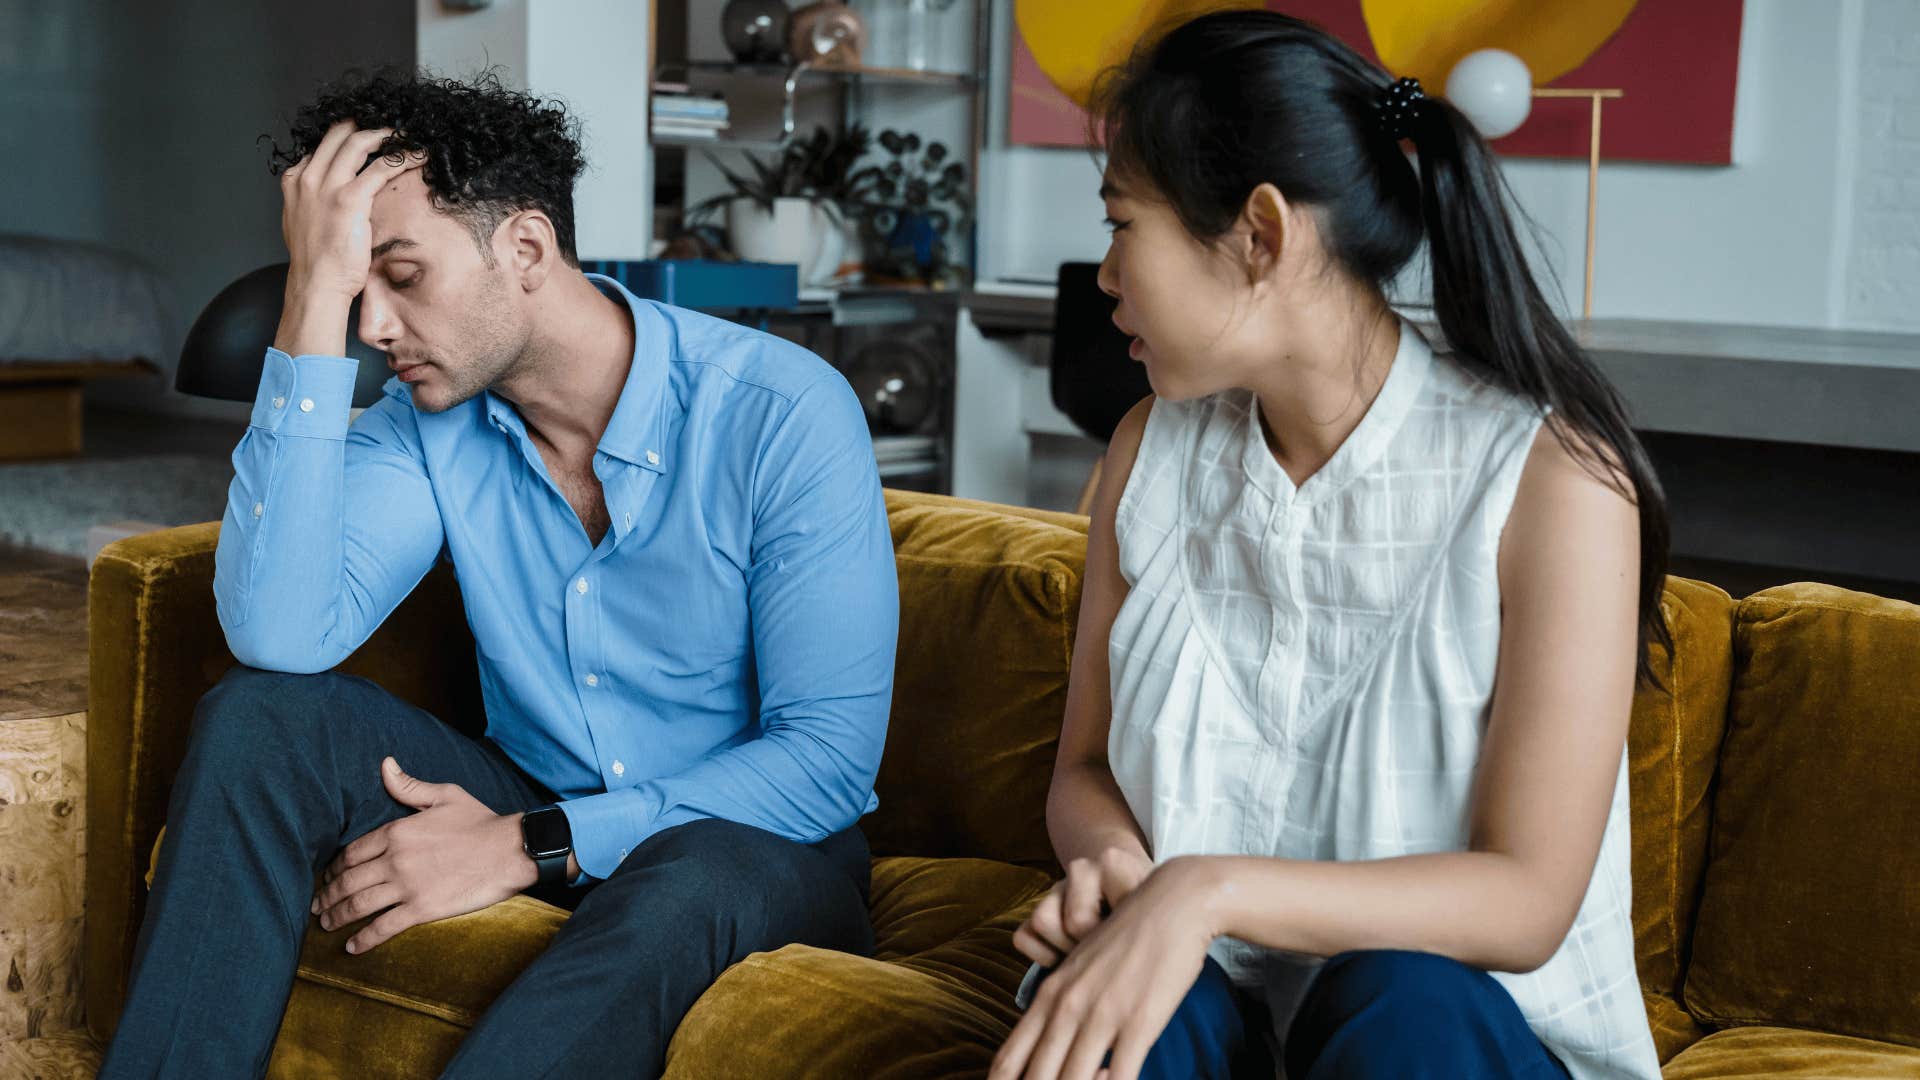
706	284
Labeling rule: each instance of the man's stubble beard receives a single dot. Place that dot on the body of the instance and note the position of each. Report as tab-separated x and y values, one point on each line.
494	350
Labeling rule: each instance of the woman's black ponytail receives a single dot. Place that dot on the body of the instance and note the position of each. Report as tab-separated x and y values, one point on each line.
1500	326
1220	104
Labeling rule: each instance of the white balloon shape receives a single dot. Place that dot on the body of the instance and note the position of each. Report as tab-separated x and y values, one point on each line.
1494	89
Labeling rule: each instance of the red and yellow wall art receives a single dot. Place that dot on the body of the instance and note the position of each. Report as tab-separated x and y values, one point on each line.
1677	61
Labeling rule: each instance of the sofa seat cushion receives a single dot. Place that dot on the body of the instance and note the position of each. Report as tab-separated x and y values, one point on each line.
1774	1053
938	989
936	999
1813	869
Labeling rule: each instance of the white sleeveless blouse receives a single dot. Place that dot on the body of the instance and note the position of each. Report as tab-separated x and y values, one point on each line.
1306	673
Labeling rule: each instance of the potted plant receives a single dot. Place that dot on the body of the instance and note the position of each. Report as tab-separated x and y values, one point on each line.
770	217
843	195
796	207
918	200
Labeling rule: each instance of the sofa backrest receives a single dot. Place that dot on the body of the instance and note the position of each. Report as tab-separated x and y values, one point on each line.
1810	910
1673	749
988	599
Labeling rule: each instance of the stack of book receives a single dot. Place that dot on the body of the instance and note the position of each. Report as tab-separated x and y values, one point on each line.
679	113
905	455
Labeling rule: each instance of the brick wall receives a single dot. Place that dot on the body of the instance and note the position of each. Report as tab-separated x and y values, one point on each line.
1883	265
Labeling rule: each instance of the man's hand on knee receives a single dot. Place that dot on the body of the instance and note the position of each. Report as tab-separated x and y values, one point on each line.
451	856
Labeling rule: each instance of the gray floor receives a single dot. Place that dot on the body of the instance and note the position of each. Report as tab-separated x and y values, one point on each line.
137	467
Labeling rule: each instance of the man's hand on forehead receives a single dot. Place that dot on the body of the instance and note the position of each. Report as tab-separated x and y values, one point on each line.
327	222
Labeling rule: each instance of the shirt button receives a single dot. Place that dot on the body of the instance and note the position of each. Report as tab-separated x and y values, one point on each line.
306	404
580	586
279	403
619	769
258	509
653	458
593	680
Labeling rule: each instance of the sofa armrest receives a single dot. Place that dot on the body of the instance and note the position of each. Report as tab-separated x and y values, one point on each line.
154	648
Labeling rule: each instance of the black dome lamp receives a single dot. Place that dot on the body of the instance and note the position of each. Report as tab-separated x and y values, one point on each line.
222	355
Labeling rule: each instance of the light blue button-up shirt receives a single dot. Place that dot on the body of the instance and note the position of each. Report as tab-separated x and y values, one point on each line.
726	650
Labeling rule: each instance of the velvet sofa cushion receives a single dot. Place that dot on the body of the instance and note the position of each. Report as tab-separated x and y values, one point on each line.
942	934
989	597
402	1009
1813	877
1772	1053
1673	745
935	1000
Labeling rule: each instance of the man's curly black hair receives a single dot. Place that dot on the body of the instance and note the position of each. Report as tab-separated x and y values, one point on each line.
492	151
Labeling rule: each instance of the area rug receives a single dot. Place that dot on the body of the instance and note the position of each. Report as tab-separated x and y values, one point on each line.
50	505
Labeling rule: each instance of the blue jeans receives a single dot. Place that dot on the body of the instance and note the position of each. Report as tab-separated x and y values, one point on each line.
1370	1014
281	771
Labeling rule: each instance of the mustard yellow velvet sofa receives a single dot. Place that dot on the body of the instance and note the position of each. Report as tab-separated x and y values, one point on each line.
1776	825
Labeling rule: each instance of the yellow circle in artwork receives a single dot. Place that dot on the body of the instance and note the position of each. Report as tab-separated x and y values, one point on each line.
1074	40
1425	38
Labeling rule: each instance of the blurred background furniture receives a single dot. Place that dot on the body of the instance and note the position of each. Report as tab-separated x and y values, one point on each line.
1092	378
70	313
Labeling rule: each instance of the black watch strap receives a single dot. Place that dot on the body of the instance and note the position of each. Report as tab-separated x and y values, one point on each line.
547	838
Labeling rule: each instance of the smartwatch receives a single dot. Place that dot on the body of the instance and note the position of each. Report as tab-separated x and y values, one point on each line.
547	838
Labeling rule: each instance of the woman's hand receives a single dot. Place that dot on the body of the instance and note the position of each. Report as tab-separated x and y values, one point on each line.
1117	990
1078	903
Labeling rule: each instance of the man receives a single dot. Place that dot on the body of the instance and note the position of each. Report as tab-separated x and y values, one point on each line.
670	538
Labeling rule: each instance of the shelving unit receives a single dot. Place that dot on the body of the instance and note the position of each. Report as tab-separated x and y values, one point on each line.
836	322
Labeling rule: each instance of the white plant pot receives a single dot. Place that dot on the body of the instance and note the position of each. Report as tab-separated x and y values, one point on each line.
831	245
788	235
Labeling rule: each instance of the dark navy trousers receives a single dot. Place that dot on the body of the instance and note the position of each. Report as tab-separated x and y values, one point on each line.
281	771
1370	1015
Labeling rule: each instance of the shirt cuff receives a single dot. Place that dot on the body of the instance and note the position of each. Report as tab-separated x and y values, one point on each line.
608	825
310	396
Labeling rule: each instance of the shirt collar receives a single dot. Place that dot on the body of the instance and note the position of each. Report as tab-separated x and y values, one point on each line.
637	431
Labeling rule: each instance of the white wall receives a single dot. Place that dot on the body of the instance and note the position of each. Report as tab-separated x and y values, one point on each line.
592	55
134	125
1761	241
1882	264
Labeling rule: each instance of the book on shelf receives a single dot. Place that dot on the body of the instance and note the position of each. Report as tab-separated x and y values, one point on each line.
893	448
681	131
677	113
660	122
693	121
689	101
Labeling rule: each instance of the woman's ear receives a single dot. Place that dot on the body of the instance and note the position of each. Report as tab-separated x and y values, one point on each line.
1265	217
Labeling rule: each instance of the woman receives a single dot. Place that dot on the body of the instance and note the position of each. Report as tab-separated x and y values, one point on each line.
1343	767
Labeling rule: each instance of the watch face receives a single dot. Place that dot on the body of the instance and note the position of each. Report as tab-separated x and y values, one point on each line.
546	833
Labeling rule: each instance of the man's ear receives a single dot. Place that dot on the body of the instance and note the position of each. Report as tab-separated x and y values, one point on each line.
1265	217
528	246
